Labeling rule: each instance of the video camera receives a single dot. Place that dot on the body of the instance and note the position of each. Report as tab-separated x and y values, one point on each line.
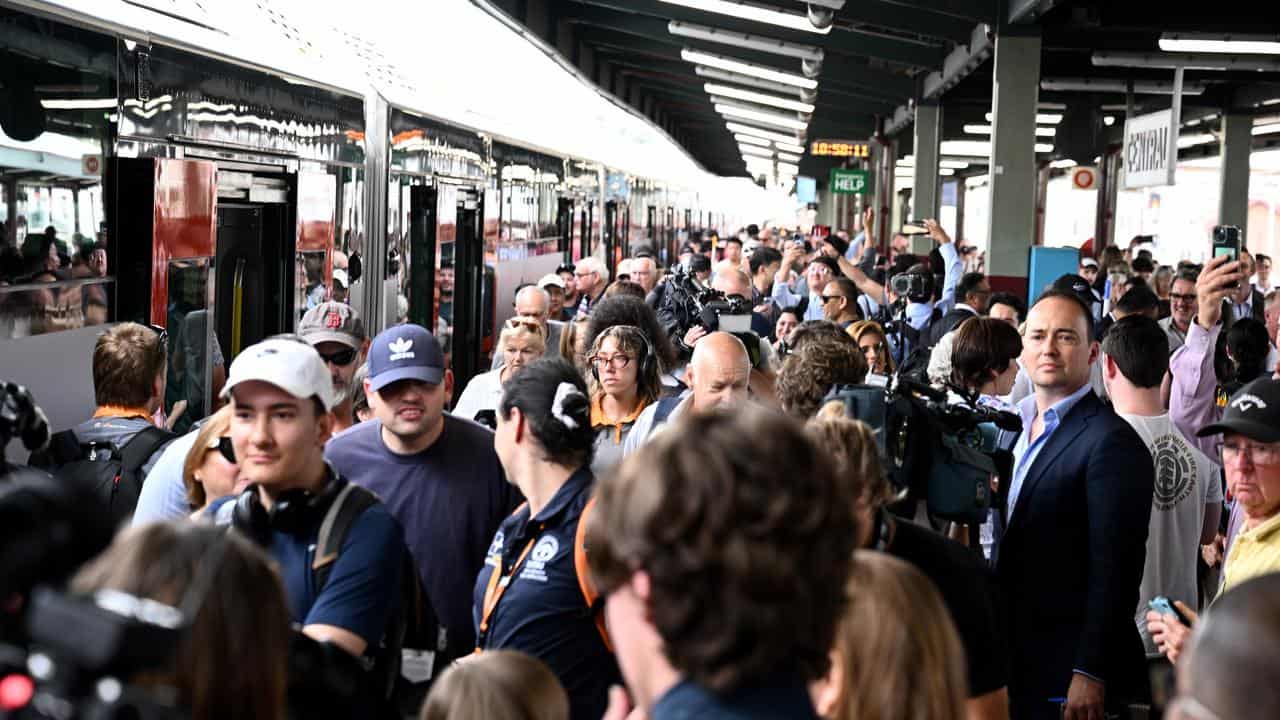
20	417
714	311
942	452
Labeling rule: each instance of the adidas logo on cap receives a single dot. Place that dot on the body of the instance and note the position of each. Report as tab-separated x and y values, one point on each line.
401	349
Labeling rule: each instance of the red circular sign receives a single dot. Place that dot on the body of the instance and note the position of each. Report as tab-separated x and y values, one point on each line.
1084	178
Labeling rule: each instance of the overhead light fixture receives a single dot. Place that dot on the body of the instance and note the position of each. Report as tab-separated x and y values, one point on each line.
946	172
784	157
767	118
789	147
979	148
737	66
756	13
1186	61
1266	129
1041	118
740	79
986	130
80	104
1220	43
1186	141
759	132
755	97
909	161
788	168
753	150
1109	120
744	40
1063	164
751	140
1141	87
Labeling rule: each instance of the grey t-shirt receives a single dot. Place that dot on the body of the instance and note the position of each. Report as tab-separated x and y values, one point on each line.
1186	481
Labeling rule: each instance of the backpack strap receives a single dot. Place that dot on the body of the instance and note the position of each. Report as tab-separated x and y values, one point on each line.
135	453
342	514
666	406
595	603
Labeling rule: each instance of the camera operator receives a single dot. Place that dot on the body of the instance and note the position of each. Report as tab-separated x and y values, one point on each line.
231	658
20	417
671	300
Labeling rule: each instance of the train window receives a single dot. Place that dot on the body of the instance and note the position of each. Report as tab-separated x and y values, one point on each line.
197	367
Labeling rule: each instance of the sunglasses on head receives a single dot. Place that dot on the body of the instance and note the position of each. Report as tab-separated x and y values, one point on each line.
164	334
342	357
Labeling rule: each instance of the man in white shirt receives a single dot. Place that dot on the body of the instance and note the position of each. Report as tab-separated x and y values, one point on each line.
1187	499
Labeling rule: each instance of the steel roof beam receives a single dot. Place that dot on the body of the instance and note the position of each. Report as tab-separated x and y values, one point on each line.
914	17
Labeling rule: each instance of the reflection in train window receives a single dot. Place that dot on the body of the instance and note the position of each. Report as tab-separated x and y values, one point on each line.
309	284
197	369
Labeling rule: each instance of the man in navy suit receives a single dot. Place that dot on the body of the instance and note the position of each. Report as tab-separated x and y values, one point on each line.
1076	512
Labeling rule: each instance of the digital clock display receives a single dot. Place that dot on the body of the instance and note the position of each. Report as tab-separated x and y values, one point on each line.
839	148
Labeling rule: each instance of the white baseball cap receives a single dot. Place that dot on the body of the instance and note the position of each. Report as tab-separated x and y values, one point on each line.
551	279
291	365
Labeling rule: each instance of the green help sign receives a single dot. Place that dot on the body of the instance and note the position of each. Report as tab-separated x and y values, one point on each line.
850	182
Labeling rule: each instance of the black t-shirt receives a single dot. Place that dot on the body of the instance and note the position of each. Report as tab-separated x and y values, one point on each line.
965	584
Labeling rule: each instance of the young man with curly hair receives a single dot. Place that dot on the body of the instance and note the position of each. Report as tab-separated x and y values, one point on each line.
721	569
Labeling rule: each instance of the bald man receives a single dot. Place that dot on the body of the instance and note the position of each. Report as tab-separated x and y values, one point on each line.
718	376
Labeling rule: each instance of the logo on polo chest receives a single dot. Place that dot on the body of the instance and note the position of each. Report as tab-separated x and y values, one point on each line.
543	552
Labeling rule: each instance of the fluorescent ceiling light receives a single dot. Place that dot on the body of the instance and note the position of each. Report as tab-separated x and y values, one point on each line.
909	161
1266	129
947	172
782	121
760	133
740	79
753	150
758	98
1109	120
979	148
986	130
737	66
751	140
1186	141
1205	42
81	104
1041	118
784	157
788	168
745	11
745	40
789	147
1063	164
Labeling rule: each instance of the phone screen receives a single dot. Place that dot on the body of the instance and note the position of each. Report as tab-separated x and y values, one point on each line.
1219	251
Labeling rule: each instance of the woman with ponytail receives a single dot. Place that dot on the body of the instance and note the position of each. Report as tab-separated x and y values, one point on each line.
531	595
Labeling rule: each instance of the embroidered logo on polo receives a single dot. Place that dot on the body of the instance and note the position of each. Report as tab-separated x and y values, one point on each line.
544	552
1175	472
401	349
494	554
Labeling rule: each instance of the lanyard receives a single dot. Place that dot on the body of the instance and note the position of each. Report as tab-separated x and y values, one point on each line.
497	587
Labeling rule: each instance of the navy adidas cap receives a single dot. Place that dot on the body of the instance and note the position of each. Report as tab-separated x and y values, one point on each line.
405	352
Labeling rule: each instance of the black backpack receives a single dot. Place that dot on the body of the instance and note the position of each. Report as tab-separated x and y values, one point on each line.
115	473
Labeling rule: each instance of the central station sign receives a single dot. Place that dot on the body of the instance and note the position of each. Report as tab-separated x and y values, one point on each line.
1150	150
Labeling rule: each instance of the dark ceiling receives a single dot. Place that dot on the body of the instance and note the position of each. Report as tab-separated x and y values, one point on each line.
878	56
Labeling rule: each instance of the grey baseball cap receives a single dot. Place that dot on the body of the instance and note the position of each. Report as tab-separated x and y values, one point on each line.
332	322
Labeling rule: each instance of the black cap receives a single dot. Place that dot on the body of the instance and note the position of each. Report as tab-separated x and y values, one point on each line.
840	244
566	268
1254	412
699	263
1077	286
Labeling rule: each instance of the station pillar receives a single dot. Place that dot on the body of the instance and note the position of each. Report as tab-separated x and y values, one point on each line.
1012	223
1233	194
925	188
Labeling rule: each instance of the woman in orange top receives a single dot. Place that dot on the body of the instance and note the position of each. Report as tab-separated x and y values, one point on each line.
626	379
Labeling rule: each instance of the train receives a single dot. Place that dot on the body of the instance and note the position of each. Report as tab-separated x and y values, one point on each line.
214	169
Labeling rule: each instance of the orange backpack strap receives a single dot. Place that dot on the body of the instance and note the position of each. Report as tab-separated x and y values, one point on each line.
589	592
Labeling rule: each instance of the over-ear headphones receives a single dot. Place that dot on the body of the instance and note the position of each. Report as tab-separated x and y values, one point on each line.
647	362
295	511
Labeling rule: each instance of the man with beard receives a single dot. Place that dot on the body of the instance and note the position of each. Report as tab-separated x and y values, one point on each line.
334	329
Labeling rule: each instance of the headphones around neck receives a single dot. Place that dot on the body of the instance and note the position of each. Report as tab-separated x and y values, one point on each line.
295	512
647	363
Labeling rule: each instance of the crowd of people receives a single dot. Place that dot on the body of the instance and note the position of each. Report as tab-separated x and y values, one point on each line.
660	501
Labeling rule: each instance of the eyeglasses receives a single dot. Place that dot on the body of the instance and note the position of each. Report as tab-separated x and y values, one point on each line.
341	358
223	445
617	361
1258	453
1176	297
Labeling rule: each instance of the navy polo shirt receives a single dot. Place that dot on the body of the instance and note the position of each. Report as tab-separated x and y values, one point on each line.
543	612
364	585
690	701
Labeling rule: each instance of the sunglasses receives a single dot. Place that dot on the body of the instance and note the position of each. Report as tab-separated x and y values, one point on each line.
342	358
223	445
164	334
828	298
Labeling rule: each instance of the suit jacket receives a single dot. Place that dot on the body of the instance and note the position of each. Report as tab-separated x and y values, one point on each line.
948	322
1070	562
1257	306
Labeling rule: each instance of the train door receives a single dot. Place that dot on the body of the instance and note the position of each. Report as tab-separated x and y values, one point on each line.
424	300
472	292
564	228
610	236
255	274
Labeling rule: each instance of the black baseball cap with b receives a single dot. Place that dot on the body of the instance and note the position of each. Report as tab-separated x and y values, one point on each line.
1254	411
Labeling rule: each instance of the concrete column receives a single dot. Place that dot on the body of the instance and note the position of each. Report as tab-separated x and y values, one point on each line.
1233	195
926	190
1012	225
